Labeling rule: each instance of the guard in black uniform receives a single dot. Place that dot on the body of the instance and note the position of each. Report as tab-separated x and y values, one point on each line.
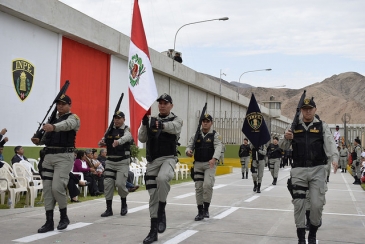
244	154
274	153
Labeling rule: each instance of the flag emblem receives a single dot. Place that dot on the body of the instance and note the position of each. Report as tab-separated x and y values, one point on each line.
23	75
136	69
254	119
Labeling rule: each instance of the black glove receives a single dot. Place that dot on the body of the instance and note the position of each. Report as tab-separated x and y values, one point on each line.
145	120
160	124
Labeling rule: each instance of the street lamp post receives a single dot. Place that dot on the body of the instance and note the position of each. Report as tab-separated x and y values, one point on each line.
223	18
239	80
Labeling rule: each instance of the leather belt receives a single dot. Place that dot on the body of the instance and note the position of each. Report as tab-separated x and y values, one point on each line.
58	150
118	158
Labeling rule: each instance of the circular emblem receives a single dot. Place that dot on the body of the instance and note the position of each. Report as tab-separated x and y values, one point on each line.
136	69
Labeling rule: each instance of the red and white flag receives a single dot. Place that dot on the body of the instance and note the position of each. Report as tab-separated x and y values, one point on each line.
142	87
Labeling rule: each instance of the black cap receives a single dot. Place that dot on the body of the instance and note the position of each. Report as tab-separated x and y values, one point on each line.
64	98
276	138
119	114
308	103
358	140
208	117
165	97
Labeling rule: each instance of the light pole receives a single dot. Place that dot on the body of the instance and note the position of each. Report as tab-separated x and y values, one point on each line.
223	18
239	80
220	81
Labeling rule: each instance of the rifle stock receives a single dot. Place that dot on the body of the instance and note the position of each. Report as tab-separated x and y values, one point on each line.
297	114
199	125
115	110
39	133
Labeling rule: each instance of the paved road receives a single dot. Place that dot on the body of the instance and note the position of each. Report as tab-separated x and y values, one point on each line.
238	215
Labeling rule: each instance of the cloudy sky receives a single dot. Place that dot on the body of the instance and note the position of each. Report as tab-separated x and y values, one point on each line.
303	41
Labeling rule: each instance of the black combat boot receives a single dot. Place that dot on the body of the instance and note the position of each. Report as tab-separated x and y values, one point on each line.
200	215
358	182
312	236
301	235
258	188
49	225
342	170
64	221
206	209
161	217
243	175
246	175
307	213
355	177
255	186
109	211
124	209
345	170
274	182
153	235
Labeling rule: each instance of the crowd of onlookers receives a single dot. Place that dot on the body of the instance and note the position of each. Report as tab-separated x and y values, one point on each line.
88	163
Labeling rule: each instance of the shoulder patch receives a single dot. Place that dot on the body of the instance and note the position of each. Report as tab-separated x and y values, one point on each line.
219	137
76	117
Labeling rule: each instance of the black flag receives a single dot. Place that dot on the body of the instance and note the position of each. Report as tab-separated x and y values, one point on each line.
254	126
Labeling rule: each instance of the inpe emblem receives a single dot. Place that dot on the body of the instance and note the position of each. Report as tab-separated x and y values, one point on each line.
23	76
254	119
136	69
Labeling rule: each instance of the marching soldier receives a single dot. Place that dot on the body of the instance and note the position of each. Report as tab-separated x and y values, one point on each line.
244	154
274	154
118	142
356	159
313	145
344	154
161	134
257	166
59	139
208	147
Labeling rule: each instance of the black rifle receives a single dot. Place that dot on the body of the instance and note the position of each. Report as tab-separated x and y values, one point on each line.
116	110
199	125
40	132
297	114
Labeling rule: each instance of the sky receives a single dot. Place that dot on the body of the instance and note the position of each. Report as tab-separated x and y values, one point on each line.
303	41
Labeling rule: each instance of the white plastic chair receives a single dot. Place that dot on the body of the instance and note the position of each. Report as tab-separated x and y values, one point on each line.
34	183
137	171
34	164
12	185
81	188
184	169
177	170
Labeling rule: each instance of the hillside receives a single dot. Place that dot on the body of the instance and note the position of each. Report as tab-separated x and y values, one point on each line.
334	96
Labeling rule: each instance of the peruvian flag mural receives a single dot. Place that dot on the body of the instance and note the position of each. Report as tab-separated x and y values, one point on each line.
142	87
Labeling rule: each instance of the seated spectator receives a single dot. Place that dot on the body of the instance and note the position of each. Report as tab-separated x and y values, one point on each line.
1	154
19	155
98	176
73	190
102	156
81	165
3	140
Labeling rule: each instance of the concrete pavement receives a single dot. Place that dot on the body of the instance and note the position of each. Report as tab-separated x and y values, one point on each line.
237	215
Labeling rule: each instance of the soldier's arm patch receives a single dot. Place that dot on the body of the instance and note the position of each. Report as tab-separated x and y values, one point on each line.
76	117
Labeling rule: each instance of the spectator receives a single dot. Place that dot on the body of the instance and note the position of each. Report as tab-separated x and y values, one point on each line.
129	182
72	188
1	154
102	156
98	176
3	141
80	165
177	57
19	155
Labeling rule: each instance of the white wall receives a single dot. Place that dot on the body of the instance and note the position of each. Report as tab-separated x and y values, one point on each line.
20	39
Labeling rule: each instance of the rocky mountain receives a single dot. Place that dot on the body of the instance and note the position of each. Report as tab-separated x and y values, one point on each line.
334	96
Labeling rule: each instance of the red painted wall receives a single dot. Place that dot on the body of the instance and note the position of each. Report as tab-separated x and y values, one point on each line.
88	71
